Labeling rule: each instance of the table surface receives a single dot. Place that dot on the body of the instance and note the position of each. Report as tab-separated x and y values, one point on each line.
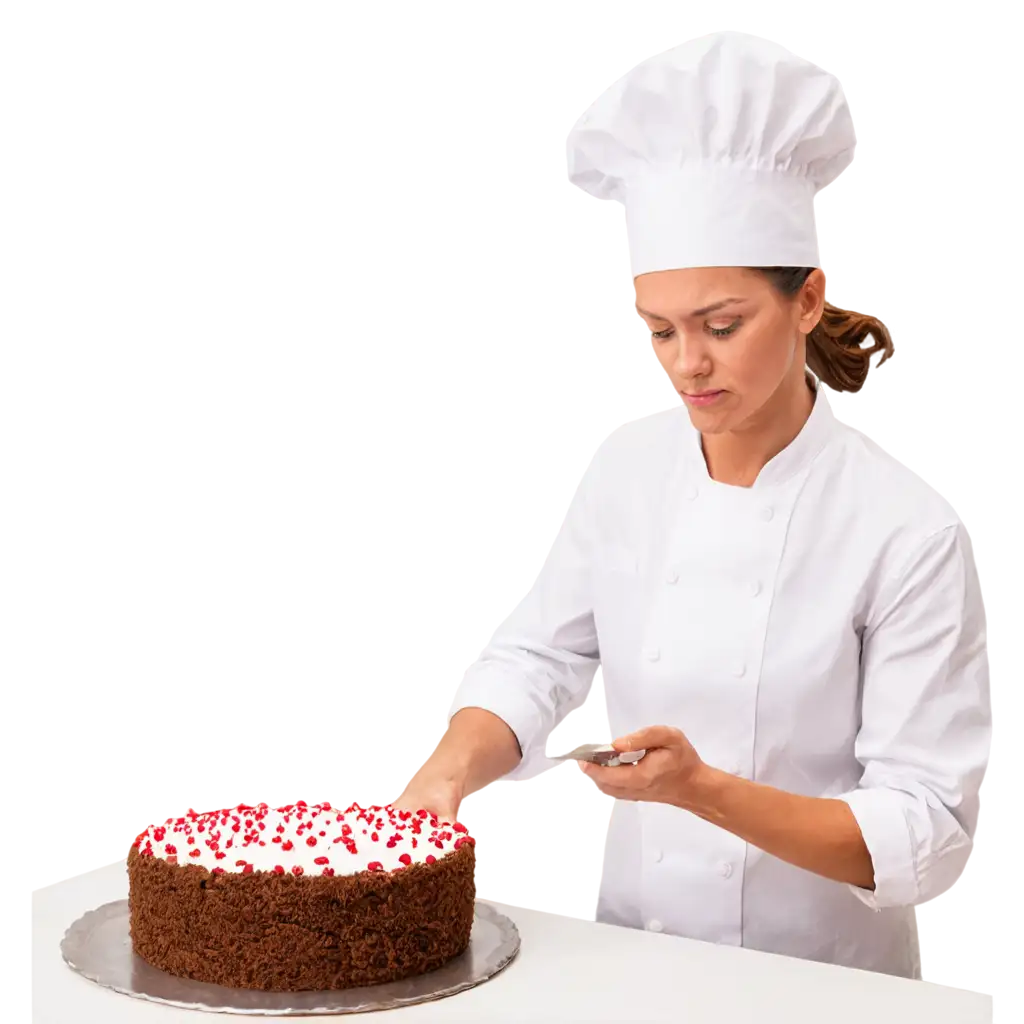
567	969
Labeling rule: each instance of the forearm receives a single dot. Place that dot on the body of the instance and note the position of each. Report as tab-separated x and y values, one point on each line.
814	833
477	749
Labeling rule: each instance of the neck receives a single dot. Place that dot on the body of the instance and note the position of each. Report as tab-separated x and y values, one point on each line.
737	456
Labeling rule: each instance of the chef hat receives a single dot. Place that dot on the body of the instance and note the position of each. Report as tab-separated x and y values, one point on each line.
716	149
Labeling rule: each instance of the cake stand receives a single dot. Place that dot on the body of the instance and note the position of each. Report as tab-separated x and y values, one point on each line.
98	946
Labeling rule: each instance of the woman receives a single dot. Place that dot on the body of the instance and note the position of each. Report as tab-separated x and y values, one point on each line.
788	620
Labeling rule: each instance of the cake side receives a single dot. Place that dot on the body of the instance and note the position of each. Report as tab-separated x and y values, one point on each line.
285	931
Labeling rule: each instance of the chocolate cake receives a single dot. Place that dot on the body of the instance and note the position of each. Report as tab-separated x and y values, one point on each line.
301	896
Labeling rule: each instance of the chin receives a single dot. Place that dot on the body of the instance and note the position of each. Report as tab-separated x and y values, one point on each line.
709	421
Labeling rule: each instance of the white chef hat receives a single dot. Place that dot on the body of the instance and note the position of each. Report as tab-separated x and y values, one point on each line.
716	149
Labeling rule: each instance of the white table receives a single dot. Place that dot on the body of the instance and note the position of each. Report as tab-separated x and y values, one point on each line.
566	970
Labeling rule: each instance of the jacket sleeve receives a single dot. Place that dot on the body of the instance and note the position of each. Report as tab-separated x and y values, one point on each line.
541	661
925	724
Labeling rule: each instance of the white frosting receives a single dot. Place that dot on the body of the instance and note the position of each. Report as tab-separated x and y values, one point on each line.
350	840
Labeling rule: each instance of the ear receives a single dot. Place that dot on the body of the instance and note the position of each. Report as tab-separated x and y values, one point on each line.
811	300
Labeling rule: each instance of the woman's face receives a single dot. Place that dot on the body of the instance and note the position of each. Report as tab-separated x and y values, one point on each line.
728	332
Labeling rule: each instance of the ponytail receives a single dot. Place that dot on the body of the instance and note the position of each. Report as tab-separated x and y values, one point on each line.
834	347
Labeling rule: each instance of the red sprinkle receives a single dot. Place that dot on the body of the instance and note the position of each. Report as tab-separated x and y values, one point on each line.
194	853
311	840
278	870
297	870
170	848
321	860
405	859
220	855
247	870
375	865
217	871
239	863
287	844
431	859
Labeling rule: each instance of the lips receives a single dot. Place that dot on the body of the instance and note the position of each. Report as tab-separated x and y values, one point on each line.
702	398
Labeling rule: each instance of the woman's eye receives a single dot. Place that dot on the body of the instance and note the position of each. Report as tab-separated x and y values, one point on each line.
722	332
716	332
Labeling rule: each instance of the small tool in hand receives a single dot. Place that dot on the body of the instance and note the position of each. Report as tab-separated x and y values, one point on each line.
605	756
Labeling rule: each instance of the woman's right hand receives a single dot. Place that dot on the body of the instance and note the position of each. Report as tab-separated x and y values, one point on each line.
439	796
478	748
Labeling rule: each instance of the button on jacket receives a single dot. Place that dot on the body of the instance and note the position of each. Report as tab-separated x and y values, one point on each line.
821	632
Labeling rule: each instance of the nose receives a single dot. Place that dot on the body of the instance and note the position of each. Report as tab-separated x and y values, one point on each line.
691	357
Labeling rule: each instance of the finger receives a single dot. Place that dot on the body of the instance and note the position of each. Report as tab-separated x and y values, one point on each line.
414	806
648	738
443	811
624	776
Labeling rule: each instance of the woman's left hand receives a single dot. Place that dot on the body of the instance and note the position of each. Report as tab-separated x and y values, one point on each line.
663	775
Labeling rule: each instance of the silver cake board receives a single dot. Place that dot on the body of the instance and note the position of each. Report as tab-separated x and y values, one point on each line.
98	946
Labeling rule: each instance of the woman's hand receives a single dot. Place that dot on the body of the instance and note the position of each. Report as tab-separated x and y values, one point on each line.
663	775
437	794
478	748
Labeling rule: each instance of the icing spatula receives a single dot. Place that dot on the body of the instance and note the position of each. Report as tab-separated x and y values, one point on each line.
603	754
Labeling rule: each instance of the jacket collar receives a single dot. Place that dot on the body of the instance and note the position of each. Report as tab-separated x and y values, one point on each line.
822	425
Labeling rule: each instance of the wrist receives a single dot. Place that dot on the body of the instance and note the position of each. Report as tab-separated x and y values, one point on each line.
453	763
704	792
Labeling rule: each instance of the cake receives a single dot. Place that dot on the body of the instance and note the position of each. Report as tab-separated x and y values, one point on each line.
302	896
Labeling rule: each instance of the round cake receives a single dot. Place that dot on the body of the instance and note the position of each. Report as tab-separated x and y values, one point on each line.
300	897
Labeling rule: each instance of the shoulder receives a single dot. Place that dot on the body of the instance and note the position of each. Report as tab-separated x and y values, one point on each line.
903	514
645	441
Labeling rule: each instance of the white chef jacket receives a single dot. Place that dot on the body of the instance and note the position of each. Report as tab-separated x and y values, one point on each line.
821	631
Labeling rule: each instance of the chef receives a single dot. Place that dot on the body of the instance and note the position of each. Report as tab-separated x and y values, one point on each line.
788	620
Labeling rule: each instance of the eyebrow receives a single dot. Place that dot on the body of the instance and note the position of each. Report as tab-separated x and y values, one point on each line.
697	312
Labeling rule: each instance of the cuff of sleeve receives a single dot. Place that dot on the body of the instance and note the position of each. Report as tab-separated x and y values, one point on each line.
879	813
503	698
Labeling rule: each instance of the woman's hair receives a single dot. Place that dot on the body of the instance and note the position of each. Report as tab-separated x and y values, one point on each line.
834	351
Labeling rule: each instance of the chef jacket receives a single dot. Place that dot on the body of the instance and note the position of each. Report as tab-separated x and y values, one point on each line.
821	631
